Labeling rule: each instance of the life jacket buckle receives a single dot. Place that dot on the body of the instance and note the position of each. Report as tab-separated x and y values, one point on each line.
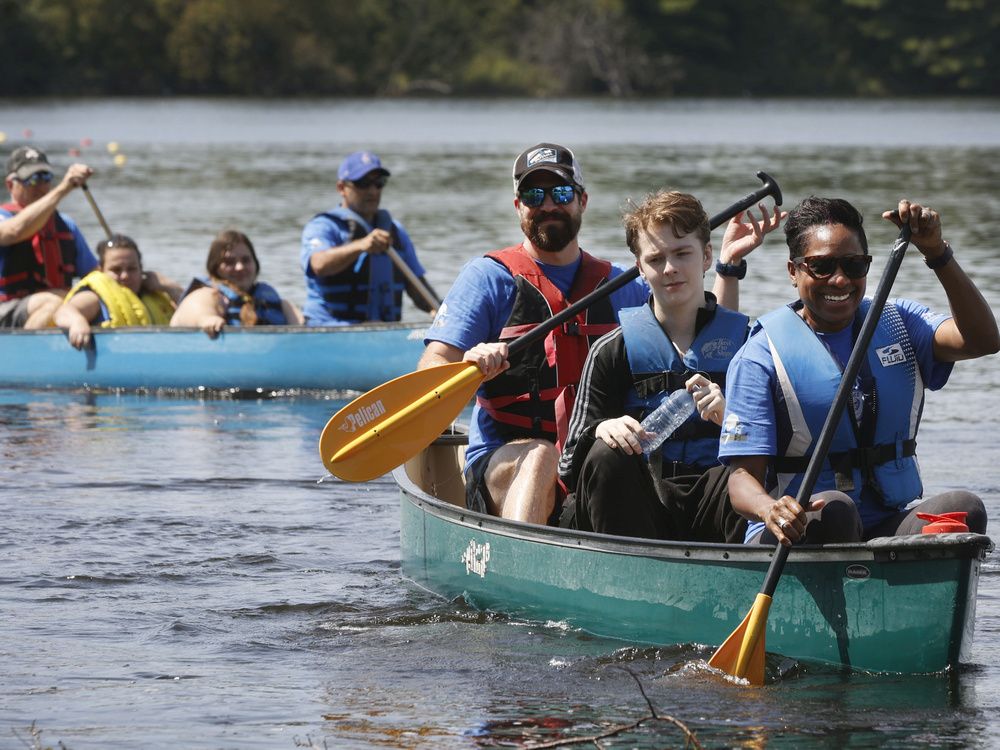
843	471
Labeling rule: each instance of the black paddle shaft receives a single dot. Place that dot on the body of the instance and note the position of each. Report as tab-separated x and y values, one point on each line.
858	354
769	188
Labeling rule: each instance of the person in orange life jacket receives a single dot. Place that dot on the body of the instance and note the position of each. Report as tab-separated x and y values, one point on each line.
350	278
680	339
121	261
231	294
780	385
41	250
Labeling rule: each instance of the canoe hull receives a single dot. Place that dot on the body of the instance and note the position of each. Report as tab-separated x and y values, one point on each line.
903	605
264	357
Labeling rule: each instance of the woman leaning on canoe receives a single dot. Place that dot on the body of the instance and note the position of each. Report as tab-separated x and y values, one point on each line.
780	385
117	293
231	294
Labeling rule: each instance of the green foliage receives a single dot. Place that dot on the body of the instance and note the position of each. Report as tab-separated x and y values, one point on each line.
516	47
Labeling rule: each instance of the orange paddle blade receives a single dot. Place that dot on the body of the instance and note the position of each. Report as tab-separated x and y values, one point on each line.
390	424
742	654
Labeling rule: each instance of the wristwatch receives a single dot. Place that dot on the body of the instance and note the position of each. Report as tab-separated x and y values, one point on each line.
943	259
735	270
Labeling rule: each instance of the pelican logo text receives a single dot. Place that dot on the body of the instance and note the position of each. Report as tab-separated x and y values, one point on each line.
475	558
362	416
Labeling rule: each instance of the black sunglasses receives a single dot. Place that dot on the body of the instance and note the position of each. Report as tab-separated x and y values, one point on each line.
534	197
368	182
824	266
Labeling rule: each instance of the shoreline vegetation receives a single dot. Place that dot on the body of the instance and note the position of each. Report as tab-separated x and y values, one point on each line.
520	48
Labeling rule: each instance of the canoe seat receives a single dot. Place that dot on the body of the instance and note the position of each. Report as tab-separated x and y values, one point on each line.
437	470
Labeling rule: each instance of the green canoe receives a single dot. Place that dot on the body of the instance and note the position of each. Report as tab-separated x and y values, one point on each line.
899	604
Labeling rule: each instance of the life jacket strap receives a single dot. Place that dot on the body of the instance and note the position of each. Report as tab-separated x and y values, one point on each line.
843	463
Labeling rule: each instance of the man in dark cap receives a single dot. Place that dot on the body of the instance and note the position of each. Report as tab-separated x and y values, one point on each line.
523	406
347	253
41	250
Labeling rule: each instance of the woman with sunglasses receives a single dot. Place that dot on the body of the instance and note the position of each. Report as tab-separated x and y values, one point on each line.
231	294
781	384
118	294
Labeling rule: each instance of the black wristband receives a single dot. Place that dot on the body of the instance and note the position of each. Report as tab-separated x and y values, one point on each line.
942	260
736	271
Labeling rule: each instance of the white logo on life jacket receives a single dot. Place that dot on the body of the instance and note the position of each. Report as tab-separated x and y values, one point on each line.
358	419
891	355
720	348
475	558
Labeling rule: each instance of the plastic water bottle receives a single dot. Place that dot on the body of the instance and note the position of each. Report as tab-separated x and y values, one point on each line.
664	420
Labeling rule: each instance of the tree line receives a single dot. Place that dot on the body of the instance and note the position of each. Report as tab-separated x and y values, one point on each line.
531	48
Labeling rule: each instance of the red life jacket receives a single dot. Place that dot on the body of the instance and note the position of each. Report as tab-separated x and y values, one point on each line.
45	261
534	398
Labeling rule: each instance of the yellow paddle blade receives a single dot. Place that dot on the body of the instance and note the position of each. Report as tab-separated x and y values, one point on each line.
742	654
390	424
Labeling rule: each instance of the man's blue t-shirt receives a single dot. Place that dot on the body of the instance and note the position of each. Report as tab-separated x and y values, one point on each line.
478	306
86	261
322	233
754	426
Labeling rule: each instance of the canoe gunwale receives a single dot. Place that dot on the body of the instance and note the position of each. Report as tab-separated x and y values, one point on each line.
885	549
276	360
229	330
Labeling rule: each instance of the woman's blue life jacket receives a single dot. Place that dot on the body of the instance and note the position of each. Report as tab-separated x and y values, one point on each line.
879	450
266	301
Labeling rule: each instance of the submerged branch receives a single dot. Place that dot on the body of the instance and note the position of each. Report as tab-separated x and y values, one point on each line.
690	740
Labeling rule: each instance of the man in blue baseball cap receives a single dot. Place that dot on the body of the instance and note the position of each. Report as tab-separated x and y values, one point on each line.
356	258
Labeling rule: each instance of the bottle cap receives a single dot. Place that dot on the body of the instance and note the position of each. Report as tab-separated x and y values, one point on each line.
944	523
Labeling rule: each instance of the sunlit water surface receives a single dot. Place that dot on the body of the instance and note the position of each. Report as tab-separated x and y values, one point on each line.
174	572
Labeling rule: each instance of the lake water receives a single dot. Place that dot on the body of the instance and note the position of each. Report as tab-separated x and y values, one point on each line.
175	573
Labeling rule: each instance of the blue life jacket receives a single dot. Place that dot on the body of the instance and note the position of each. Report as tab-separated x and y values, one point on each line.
266	302
879	451
349	294
658	369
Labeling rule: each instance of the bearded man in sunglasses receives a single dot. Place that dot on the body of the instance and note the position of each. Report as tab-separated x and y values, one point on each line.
41	250
351	276
780	386
524	405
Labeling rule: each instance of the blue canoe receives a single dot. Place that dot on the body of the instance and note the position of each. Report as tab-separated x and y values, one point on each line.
262	358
